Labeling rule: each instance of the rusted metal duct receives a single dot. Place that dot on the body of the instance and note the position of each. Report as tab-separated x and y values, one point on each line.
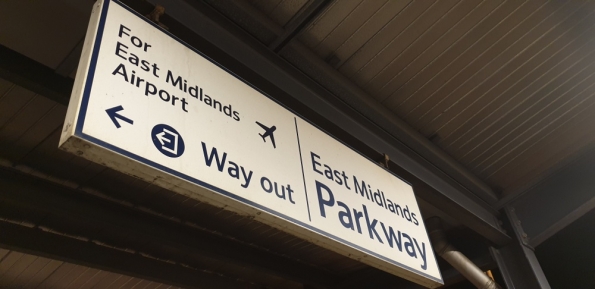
455	258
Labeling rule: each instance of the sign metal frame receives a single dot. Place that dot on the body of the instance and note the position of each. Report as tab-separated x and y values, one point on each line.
76	141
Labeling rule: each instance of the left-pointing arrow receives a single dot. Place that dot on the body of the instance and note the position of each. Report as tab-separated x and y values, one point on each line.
113	115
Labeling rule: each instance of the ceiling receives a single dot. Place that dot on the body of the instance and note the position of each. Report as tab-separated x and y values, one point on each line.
20	270
497	95
504	87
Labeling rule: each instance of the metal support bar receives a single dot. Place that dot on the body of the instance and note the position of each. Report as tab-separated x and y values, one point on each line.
154	16
517	226
504	270
517	261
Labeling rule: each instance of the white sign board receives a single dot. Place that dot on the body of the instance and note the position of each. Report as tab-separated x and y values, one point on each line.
147	104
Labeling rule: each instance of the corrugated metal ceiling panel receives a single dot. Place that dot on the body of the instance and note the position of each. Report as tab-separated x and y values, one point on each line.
400	32
20	270
501	86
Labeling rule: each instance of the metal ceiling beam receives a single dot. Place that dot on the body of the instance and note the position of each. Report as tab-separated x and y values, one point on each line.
517	261
70	63
26	198
298	23
558	200
258	64
34	76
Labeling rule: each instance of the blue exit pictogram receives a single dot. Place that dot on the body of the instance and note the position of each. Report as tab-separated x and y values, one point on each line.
167	140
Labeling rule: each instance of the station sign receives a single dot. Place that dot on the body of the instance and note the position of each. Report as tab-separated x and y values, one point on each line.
147	104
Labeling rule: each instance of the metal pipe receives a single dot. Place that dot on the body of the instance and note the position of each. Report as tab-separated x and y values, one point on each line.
455	258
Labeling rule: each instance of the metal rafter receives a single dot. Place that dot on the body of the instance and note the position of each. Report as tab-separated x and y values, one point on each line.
34	76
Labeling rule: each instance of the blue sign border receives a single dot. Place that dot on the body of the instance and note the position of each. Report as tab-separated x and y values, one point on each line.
83	111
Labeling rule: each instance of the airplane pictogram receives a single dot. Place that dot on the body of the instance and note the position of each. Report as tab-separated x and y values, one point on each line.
268	132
